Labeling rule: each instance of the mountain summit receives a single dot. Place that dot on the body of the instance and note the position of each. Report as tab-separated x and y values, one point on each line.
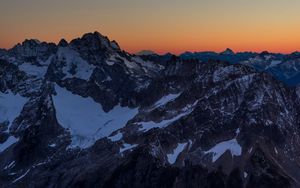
228	51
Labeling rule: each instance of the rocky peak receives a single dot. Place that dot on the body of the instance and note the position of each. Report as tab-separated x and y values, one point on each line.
96	42
63	43
264	53
228	51
115	45
33	48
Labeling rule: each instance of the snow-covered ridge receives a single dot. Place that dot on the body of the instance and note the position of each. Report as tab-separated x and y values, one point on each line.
146	126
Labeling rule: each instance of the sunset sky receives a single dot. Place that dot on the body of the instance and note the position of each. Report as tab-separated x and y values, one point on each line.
160	25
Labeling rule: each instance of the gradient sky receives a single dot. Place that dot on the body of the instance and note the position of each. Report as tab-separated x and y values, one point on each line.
160	25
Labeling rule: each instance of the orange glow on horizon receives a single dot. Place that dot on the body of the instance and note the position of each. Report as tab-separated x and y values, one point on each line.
162	26
173	47
179	46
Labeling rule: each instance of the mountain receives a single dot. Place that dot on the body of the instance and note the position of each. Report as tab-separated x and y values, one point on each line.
146	52
228	51
284	67
85	113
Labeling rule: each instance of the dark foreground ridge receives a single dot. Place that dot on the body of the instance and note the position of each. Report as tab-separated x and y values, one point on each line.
88	114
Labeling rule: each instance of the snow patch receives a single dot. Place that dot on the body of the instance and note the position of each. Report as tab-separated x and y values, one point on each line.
86	119
146	126
219	149
223	72
52	145
107	79
274	63
252	121
129	64
10	141
22	176
11	106
268	122
10	165
75	66
127	147
116	137
38	71
173	156
166	99
111	61
147	65
39	164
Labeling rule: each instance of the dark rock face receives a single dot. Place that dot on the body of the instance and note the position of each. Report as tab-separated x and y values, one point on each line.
63	43
10	76
32	50
265	175
196	123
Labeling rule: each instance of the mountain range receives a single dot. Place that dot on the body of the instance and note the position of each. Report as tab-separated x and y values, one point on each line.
86	113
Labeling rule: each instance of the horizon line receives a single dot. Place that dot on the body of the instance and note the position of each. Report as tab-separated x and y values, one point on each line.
162	52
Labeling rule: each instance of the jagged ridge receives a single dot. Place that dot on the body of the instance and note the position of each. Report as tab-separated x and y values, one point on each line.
161	122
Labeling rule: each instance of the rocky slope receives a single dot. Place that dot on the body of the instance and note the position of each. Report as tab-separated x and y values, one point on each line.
87	114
